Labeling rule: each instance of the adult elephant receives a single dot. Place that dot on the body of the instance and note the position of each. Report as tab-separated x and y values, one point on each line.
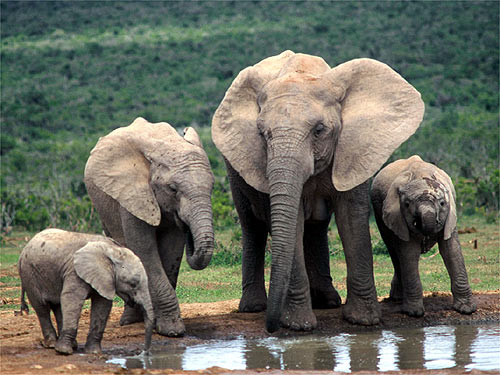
300	141
152	189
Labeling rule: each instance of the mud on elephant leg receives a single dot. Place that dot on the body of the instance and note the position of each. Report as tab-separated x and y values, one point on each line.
317	259
297	310
451	253
99	313
351	213
141	237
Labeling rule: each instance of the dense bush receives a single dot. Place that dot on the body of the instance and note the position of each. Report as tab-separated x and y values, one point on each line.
74	71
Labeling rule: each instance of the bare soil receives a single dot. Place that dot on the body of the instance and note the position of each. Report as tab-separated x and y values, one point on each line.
22	353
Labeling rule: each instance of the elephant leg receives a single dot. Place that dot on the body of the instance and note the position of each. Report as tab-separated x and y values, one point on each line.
352	211
43	313
171	246
141	239
451	252
396	293
99	312
73	295
391	242
253	237
131	315
57	310
297	310
317	259
409	255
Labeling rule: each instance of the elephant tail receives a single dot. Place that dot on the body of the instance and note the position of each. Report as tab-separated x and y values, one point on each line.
24	305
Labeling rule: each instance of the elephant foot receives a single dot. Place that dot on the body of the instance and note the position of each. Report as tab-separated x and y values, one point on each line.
171	327
413	308
298	318
253	301
66	342
464	306
131	315
325	299
393	299
93	348
360	311
49	342
395	295
63	347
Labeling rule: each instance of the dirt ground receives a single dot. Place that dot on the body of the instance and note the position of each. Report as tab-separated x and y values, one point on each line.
22	353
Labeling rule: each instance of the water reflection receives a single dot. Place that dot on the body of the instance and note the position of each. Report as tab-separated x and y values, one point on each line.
462	347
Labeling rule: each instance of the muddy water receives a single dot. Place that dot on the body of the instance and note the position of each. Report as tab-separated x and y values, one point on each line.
438	347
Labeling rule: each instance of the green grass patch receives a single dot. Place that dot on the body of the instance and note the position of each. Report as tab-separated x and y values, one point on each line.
221	280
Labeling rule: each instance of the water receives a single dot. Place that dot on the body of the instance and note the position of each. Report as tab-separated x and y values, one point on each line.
439	347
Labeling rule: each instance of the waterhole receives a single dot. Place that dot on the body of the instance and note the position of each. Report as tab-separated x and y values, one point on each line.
439	347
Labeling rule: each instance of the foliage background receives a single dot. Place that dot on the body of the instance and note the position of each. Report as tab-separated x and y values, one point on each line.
73	71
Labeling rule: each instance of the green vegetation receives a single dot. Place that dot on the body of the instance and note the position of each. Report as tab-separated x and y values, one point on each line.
221	280
73	71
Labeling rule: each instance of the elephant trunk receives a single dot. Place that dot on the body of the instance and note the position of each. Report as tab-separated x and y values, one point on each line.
200	237
285	184
144	300
427	219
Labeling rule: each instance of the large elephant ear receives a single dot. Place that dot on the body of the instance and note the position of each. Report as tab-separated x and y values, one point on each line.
94	267
191	136
451	220
234	125
391	209
380	110
120	164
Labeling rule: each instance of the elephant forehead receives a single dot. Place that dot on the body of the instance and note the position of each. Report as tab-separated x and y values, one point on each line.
427	186
294	83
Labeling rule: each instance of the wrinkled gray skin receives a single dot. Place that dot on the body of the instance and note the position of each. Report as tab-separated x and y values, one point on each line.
414	205
156	200
59	270
299	142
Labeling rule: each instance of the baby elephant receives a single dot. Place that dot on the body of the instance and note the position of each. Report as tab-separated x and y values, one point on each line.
414	204
59	270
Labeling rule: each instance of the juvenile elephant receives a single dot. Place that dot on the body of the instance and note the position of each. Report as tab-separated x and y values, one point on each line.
59	270
152	189
414	204
300	140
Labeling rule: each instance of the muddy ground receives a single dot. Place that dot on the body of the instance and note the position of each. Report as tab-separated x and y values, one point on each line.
22	353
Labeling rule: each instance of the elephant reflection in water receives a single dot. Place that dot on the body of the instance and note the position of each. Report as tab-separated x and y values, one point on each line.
417	348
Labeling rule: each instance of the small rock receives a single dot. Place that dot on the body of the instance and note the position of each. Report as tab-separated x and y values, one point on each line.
65	368
36	367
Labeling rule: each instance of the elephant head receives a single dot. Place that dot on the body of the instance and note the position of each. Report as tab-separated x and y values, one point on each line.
421	199
111	270
291	117
151	170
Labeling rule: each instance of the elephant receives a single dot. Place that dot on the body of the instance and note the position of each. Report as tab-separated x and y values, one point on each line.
59	270
300	141
414	206
152	190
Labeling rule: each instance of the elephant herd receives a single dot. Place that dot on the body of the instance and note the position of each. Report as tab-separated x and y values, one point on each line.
300	141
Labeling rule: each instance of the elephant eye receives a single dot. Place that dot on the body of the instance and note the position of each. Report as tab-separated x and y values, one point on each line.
319	128
442	203
173	188
407	204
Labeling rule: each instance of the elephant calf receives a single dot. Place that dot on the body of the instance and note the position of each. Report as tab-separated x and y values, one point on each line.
59	270
414	204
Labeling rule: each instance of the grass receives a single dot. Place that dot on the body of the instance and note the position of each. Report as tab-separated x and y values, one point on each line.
222	281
